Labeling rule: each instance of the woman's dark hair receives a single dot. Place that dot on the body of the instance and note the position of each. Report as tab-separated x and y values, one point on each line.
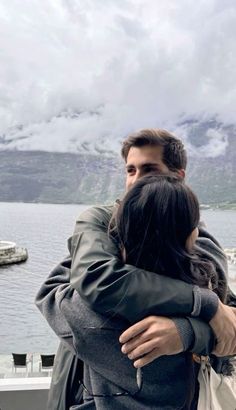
153	222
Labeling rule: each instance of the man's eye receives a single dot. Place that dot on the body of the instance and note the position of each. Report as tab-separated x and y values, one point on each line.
150	169
130	170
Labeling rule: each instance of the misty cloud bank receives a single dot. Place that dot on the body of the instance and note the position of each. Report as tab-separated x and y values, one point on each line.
82	74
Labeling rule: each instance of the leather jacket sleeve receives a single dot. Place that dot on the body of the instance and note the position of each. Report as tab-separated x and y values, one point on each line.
108	285
60	304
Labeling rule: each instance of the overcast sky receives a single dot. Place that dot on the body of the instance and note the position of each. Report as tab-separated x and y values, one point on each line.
125	64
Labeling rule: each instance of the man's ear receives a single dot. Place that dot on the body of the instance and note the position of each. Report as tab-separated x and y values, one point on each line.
181	173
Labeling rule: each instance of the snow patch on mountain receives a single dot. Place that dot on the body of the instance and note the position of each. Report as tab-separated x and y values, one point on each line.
204	139
68	132
92	132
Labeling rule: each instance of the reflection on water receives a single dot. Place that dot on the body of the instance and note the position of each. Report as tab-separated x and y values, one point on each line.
43	229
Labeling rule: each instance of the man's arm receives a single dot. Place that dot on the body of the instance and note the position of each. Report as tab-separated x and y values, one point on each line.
62	308
108	285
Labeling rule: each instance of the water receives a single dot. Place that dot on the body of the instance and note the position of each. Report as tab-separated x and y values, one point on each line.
43	229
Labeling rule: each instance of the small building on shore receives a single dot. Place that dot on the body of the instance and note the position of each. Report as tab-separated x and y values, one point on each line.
10	253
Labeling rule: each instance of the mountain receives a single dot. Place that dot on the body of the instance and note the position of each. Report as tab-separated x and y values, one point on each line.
59	177
64	177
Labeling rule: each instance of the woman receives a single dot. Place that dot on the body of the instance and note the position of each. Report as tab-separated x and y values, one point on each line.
156	226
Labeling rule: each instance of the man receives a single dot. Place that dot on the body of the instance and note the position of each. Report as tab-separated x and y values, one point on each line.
102	280
113	288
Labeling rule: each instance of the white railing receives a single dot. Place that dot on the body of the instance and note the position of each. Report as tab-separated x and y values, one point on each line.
28	393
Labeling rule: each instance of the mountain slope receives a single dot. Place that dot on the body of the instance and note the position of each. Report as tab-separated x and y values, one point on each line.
58	178
37	176
67	178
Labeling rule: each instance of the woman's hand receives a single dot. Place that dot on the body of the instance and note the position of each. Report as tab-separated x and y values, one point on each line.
149	339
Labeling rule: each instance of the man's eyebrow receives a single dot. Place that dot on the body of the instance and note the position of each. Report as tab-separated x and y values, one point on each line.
150	164
146	164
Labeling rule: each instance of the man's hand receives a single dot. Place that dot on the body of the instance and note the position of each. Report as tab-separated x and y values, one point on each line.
224	326
149	339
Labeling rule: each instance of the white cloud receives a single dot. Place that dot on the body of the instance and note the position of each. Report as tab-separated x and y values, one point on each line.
137	63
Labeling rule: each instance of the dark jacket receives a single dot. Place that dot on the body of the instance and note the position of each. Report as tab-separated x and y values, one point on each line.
107	371
61	306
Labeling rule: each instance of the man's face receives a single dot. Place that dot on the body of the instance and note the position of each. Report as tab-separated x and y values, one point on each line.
145	160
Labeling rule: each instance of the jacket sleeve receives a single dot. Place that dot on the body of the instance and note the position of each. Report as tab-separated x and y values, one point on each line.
63	309
106	284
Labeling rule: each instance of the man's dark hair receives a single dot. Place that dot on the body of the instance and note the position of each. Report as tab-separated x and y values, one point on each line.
174	154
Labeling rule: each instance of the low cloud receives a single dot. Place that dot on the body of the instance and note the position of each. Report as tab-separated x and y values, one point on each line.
114	67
